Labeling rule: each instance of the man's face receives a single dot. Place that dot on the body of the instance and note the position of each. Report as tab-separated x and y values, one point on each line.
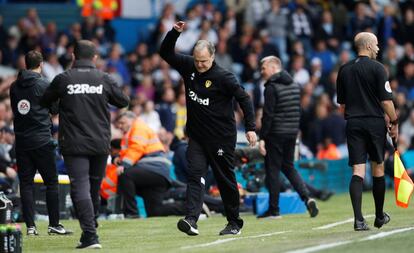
124	124
267	70
203	60
374	48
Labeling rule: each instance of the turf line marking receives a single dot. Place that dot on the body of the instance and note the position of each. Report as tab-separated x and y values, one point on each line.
320	247
331	225
388	233
336	244
220	241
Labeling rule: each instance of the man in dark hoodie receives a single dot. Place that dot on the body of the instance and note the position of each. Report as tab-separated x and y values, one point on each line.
280	127
84	95
35	150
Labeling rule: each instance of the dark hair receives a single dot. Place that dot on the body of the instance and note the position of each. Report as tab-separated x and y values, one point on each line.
33	59
84	49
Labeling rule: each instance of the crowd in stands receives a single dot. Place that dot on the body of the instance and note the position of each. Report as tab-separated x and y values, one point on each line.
312	38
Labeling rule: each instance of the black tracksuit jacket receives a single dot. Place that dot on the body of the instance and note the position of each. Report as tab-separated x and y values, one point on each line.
32	124
84	95
209	97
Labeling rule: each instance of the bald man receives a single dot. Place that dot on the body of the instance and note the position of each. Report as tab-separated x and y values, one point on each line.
210	91
365	93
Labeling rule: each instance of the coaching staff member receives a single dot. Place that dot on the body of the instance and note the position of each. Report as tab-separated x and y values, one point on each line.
84	131
210	126
280	127
35	150
363	89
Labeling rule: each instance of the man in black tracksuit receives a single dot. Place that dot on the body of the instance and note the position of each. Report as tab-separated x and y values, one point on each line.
84	131
364	90
35	150
210	91
280	127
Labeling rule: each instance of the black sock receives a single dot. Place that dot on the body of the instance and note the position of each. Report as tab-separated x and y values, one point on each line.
378	191
355	191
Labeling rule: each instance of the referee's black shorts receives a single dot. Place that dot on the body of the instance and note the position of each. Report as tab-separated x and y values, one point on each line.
366	137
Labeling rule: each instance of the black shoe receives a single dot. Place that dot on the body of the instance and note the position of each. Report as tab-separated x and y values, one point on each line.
312	208
325	195
231	229
187	226
269	215
89	241
58	230
380	222
131	216
360	225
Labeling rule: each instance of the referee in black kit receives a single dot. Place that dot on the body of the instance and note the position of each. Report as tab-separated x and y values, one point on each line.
363	89
35	150
210	91
84	131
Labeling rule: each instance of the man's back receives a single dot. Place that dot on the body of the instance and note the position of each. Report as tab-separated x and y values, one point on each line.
360	87
32	123
84	120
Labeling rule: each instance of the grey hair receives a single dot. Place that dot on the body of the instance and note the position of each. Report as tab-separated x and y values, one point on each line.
272	59
128	114
201	44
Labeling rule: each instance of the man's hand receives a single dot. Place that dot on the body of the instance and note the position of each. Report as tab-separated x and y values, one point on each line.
262	148
393	131
179	26
120	170
251	138
117	161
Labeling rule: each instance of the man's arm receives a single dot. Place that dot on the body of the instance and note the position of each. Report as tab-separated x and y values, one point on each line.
51	95
167	49
268	111
389	109
233	87
116	96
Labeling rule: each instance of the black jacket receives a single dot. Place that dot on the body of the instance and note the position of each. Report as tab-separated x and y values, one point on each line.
84	120
32	124
209	97
281	111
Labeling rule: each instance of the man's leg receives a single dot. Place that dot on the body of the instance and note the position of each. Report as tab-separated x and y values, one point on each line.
221	159
273	164
153	187
127	191
197	169
378	191
26	174
355	190
294	177
97	165
44	158
78	171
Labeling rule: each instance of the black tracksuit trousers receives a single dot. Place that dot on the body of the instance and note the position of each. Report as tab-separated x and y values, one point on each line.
85	173
41	159
280	150
221	158
152	187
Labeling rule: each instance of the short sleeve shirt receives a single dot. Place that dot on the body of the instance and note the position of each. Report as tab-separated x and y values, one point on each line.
361	86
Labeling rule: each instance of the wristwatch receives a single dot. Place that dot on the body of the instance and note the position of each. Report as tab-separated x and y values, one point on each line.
394	122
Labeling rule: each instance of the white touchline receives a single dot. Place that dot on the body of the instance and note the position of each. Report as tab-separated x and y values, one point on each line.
331	225
336	244
220	241
384	234
320	247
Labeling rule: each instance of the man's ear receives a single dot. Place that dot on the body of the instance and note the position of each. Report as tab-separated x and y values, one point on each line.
95	58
